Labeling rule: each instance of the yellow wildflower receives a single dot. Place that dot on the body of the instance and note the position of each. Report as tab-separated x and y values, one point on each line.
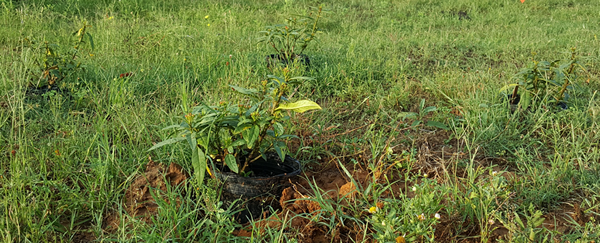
373	209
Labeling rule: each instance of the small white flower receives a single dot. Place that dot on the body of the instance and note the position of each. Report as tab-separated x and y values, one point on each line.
494	173
414	189
438	216
383	223
491	221
230	56
425	175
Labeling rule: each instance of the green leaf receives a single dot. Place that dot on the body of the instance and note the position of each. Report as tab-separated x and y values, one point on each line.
415	123
519	222
287	136
300	106
507	87
242	126
91	40
407	114
422	104
238	142
437	124
278	128
251	135
172	126
280	151
166	142
276	79
299	80
199	164
429	109
525	100
198	159
231	163
244	90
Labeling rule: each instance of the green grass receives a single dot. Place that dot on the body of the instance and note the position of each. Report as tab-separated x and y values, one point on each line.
66	158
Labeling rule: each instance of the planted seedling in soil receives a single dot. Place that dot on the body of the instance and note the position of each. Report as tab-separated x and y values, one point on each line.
544	83
234	135
289	40
58	63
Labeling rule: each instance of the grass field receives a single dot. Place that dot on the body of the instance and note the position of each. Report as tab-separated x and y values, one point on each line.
68	154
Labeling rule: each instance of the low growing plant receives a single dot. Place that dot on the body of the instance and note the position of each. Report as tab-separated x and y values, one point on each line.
544	82
528	231
409	219
418	117
289	40
237	134
58	63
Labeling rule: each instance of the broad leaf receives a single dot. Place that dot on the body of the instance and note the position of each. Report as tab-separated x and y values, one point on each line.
167	142
243	125
280	150
231	163
429	109
199	164
251	135
278	128
300	106
526	100
438	125
407	114
238	142
198	160
244	90
276	79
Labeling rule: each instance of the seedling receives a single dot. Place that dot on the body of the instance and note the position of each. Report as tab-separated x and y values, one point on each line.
544	82
239	134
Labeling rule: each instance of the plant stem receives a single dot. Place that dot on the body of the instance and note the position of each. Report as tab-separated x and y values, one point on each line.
514	95
571	69
314	30
256	146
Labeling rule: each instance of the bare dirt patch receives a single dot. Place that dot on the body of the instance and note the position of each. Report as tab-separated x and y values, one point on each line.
139	201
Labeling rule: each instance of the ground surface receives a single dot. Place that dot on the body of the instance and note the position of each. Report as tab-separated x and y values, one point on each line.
415	141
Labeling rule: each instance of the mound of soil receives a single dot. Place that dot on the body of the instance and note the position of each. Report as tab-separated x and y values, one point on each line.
298	199
139	201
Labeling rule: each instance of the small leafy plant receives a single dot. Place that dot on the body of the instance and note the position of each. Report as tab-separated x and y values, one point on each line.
239	134
289	40
57	64
544	82
409	219
528	231
423	111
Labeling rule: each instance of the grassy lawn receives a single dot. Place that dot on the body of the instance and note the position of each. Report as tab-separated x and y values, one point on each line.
415	140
